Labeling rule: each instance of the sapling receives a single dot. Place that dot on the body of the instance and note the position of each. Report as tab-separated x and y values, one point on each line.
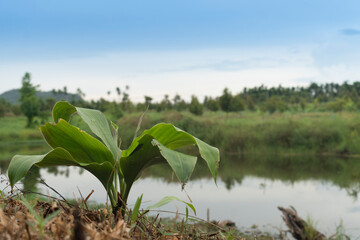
116	169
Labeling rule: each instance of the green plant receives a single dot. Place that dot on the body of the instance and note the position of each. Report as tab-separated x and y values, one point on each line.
340	233
168	199
135	211
116	169
310	229
40	221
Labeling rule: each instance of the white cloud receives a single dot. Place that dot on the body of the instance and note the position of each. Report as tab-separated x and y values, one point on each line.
199	72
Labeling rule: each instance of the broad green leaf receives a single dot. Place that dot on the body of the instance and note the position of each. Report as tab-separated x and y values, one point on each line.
144	156
167	135
94	118
157	145
182	164
169	199
63	110
173	138
210	154
100	126
150	152
83	147
21	164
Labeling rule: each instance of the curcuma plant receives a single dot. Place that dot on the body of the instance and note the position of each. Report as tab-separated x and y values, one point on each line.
115	168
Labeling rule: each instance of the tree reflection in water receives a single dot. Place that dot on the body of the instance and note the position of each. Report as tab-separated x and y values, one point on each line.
341	172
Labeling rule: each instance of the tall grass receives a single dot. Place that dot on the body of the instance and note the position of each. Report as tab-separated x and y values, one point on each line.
253	132
13	129
246	132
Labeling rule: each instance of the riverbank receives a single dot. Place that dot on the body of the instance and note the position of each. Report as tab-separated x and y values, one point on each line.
245	132
249	132
24	218
248	192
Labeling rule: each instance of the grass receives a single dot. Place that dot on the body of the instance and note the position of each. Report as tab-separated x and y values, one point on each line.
34	219
244	132
251	132
39	219
13	130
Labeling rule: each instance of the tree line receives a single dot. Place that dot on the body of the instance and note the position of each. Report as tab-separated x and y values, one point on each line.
315	97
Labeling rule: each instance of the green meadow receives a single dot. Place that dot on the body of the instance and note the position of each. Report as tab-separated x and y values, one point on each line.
249	132
244	132
13	130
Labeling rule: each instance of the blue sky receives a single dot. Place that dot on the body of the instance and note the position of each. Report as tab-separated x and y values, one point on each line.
186	47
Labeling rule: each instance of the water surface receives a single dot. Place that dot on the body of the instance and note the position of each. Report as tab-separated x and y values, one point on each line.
249	189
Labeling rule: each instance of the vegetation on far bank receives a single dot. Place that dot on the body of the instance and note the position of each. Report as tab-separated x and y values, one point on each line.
244	132
13	130
314	119
249	132
331	97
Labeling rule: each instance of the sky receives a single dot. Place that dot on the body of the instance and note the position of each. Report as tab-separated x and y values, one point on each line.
187	47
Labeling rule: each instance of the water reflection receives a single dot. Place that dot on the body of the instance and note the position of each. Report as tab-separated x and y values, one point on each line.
341	172
249	187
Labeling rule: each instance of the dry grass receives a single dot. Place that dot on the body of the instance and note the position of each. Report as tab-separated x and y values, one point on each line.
40	220
20	219
17	222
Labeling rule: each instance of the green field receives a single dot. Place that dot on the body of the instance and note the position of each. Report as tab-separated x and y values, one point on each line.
12	129
244	132
249	132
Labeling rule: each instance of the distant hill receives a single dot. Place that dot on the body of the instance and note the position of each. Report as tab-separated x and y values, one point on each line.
13	96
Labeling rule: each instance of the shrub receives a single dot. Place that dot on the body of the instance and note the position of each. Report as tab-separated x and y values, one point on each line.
116	169
195	106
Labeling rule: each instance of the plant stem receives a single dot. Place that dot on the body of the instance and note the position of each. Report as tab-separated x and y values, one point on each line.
111	196
116	180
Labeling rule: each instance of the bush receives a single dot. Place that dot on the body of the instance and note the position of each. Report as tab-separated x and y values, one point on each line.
237	104
195	106
337	105
270	105
225	100
212	105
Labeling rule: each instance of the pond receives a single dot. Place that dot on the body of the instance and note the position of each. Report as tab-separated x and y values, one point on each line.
249	189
